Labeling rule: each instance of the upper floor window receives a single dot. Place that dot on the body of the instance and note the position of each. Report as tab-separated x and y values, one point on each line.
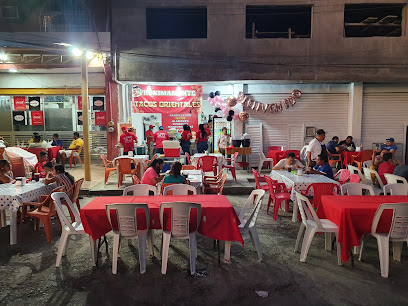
65	16
9	12
368	20
185	22
278	21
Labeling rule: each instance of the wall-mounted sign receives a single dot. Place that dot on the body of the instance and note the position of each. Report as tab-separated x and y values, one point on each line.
20	103
98	103
18	118
34	103
37	118
80	103
100	118
80	120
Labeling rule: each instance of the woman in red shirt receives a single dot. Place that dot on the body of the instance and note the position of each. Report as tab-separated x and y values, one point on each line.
201	139
185	139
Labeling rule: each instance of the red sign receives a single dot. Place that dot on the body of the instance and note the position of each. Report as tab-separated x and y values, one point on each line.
100	118
80	103
19	103
37	118
178	105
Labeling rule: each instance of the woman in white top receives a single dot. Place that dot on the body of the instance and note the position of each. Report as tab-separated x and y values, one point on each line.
288	162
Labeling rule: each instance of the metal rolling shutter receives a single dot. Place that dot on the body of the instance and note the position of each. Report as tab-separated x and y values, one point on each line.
255	131
326	111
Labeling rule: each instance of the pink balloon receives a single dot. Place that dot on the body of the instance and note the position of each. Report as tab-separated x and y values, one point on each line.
219	99
212	103
210	100
226	110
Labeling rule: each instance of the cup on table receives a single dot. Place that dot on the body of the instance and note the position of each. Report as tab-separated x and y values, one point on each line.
23	181
130	153
36	176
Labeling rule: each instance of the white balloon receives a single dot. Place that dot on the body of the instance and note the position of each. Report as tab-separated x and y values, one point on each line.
217	104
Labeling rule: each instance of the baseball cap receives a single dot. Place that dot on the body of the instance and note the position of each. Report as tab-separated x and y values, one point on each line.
151	126
390	139
124	128
161	127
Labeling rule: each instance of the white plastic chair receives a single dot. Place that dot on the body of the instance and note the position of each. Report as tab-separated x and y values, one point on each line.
356	189
180	189
127	223
262	159
398	234
395	179
367	164
139	190
180	229
396	189
355	170
313	225
68	228
367	173
253	205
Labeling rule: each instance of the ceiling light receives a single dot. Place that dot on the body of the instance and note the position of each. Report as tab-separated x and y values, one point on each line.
76	52
90	55
63	44
13	70
3	57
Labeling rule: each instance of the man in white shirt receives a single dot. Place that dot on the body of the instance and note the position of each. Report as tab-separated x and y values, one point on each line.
314	149
288	162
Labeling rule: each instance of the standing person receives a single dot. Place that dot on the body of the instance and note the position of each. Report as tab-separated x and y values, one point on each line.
174	177
185	138
127	140
210	139
323	167
389	145
56	141
160	136
348	144
6	176
74	148
223	141
315	148
201	139
149	137
62	178
152	174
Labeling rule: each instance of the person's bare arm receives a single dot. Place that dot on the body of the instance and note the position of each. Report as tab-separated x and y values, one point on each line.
50	180
158	179
309	158
76	148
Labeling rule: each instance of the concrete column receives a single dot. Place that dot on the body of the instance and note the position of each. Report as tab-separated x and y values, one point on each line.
355	112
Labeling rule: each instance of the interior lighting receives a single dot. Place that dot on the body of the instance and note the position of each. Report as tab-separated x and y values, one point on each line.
76	52
90	55
13	70
178	90
3	57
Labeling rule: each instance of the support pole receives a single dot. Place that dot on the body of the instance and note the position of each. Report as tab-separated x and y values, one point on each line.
85	117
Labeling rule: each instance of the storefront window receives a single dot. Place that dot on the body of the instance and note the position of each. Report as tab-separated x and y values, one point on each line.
59	113
5	117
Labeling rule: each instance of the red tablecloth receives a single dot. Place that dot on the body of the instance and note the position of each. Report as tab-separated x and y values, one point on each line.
354	216
348	155
218	218
53	152
277	155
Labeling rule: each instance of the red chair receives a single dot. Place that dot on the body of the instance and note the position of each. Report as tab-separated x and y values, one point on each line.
188	167
136	180
124	167
108	167
334	158
354	178
361	158
343	175
278	194
231	167
36	151
274	148
297	153
207	164
17	166
320	189
258	179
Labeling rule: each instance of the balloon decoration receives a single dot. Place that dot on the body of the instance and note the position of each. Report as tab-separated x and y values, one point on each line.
243	116
229	109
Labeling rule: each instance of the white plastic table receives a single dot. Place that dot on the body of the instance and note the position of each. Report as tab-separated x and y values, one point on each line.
220	159
12	197
139	159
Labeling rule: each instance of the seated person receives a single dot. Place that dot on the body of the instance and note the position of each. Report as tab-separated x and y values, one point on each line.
42	159
387	166
37	143
401	170
323	167
74	148
47	173
348	144
56	141
3	142
174	177
152	174
62	178
32	138
389	145
289	162
6	176
332	146
376	160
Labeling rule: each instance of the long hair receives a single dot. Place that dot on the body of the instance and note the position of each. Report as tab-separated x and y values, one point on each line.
186	127
157	161
202	130
3	163
61	170
175	169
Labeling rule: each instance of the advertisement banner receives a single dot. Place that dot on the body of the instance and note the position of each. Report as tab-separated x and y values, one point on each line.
178	105
37	118
100	118
18	118
98	103
34	103
80	120
20	103
79	102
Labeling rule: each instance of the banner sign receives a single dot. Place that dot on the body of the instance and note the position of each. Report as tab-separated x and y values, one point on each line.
80	120
100	118
37	118
20	103
178	105
98	103
34	103
18	118
79	102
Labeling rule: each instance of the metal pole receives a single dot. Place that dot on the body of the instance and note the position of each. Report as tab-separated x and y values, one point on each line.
85	117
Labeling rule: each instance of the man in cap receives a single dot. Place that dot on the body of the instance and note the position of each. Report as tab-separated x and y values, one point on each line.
389	145
127	140
159	137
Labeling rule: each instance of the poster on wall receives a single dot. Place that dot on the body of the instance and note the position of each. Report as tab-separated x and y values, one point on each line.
80	103
20	103
18	118
98	103
37	118
178	105
100	118
34	103
80	120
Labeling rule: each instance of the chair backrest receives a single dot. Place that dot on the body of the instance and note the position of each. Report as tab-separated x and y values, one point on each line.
180	189
253	202
124	164
399	224
396	189
306	210
214	178
105	161
274	148
126	217
343	175
139	190
320	189
234	159
36	151
77	190
355	170
366	155
48	202
164	186
222	183
17	166
188	158
367	163
180	217
257	177
262	155
60	197
354	178
356	189
207	163
368	172
136	180
188	167
395	179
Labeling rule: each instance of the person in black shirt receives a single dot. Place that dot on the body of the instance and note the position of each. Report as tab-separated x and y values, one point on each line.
348	144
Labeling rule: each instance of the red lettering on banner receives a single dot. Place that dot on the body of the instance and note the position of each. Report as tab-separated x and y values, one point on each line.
20	103
37	118
100	118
